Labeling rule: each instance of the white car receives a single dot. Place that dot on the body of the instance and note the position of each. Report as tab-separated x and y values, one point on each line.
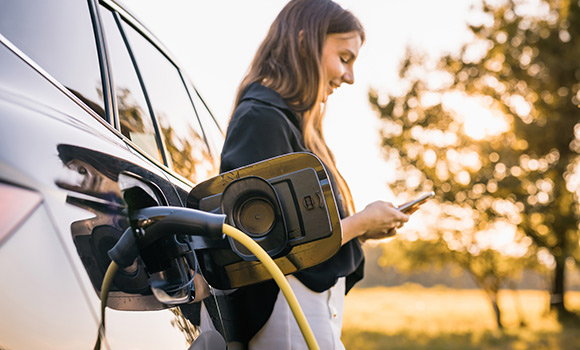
97	123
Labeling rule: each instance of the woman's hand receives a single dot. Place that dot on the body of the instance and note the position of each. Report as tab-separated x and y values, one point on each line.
376	221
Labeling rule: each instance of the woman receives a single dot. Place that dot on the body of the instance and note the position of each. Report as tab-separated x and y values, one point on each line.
308	52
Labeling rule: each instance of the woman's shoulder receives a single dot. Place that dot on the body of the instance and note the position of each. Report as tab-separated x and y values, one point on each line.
258	130
253	116
264	95
251	112
256	109
259	102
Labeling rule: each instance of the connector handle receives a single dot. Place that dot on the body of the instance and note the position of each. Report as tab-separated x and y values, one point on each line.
125	250
159	222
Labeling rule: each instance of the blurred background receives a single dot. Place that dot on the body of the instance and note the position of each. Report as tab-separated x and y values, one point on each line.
478	101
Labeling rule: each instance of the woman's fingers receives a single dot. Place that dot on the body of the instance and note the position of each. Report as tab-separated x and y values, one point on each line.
382	219
391	233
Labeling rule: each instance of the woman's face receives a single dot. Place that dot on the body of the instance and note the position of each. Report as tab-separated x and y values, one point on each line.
338	55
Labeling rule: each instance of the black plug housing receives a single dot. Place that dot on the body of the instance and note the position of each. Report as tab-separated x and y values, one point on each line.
161	236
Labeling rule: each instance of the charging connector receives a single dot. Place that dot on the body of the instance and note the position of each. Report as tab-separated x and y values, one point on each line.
157	223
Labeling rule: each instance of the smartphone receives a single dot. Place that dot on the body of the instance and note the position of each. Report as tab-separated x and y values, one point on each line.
415	203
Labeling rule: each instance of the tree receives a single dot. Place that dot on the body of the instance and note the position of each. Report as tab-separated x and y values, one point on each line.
494	130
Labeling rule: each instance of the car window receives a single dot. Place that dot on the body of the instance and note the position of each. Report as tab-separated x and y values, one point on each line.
134	117
188	153
213	132
58	35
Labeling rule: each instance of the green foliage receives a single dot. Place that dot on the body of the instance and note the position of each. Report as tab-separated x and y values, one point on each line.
514	175
410	256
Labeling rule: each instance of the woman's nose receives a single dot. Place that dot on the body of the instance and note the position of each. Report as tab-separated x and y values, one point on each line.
348	76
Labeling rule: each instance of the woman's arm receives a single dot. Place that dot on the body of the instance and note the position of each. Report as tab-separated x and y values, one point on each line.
377	220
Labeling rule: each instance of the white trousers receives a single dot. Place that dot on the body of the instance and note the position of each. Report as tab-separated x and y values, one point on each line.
322	310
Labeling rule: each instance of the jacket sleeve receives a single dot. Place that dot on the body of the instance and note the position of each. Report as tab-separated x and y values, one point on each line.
255	133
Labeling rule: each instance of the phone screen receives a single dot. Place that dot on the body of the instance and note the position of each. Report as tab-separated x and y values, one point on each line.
415	203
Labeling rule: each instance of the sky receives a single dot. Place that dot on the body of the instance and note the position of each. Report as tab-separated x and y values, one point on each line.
215	41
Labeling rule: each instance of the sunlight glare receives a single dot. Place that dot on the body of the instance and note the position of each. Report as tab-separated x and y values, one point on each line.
478	118
502	237
429	157
546	258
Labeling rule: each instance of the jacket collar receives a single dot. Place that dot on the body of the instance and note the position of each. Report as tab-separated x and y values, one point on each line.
264	94
270	97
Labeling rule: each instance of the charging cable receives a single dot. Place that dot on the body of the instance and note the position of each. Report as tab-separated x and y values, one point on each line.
264	258
278	276
105	287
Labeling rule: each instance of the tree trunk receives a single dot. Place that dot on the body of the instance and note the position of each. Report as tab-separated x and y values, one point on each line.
518	305
557	296
497	315
492	292
493	298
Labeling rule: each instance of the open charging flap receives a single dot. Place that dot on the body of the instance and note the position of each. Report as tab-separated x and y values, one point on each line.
285	204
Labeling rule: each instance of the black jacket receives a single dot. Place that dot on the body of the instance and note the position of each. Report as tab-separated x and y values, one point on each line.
262	127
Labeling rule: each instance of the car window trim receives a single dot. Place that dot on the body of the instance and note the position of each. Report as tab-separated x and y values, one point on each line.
208	109
158	138
30	62
138	26
191	86
109	98
195	111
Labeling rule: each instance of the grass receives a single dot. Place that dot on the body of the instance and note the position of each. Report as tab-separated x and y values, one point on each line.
413	317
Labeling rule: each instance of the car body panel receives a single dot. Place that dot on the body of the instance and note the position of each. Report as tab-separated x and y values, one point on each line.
46	304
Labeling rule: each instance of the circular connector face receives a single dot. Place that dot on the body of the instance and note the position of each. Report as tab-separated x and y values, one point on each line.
256	216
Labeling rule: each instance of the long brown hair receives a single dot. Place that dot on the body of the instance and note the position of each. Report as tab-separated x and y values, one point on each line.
289	62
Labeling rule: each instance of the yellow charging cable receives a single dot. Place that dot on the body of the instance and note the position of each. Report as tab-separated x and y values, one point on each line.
278	276
261	254
105	287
